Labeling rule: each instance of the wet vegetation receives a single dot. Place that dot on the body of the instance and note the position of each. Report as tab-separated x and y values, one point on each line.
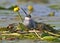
2	8
10	8
56	7
35	1
22	33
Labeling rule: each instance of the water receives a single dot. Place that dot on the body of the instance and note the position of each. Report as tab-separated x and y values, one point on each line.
40	11
24	41
19	41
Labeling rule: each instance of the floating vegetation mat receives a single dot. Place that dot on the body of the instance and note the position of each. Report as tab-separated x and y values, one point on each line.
23	33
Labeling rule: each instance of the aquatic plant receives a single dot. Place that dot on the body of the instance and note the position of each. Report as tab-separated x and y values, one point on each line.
2	8
21	27
52	14
50	38
56	7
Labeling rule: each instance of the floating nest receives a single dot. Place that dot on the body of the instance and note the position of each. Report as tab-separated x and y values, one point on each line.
25	33
39	26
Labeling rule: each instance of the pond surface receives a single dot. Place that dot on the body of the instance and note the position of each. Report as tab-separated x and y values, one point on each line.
25	41
40	12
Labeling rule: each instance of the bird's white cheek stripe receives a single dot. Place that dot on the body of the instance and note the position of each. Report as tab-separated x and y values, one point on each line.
27	18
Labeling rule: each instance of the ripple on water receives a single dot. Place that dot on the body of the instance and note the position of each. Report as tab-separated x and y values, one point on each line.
25	41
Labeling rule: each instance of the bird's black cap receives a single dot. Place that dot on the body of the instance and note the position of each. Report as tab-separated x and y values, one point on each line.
28	16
